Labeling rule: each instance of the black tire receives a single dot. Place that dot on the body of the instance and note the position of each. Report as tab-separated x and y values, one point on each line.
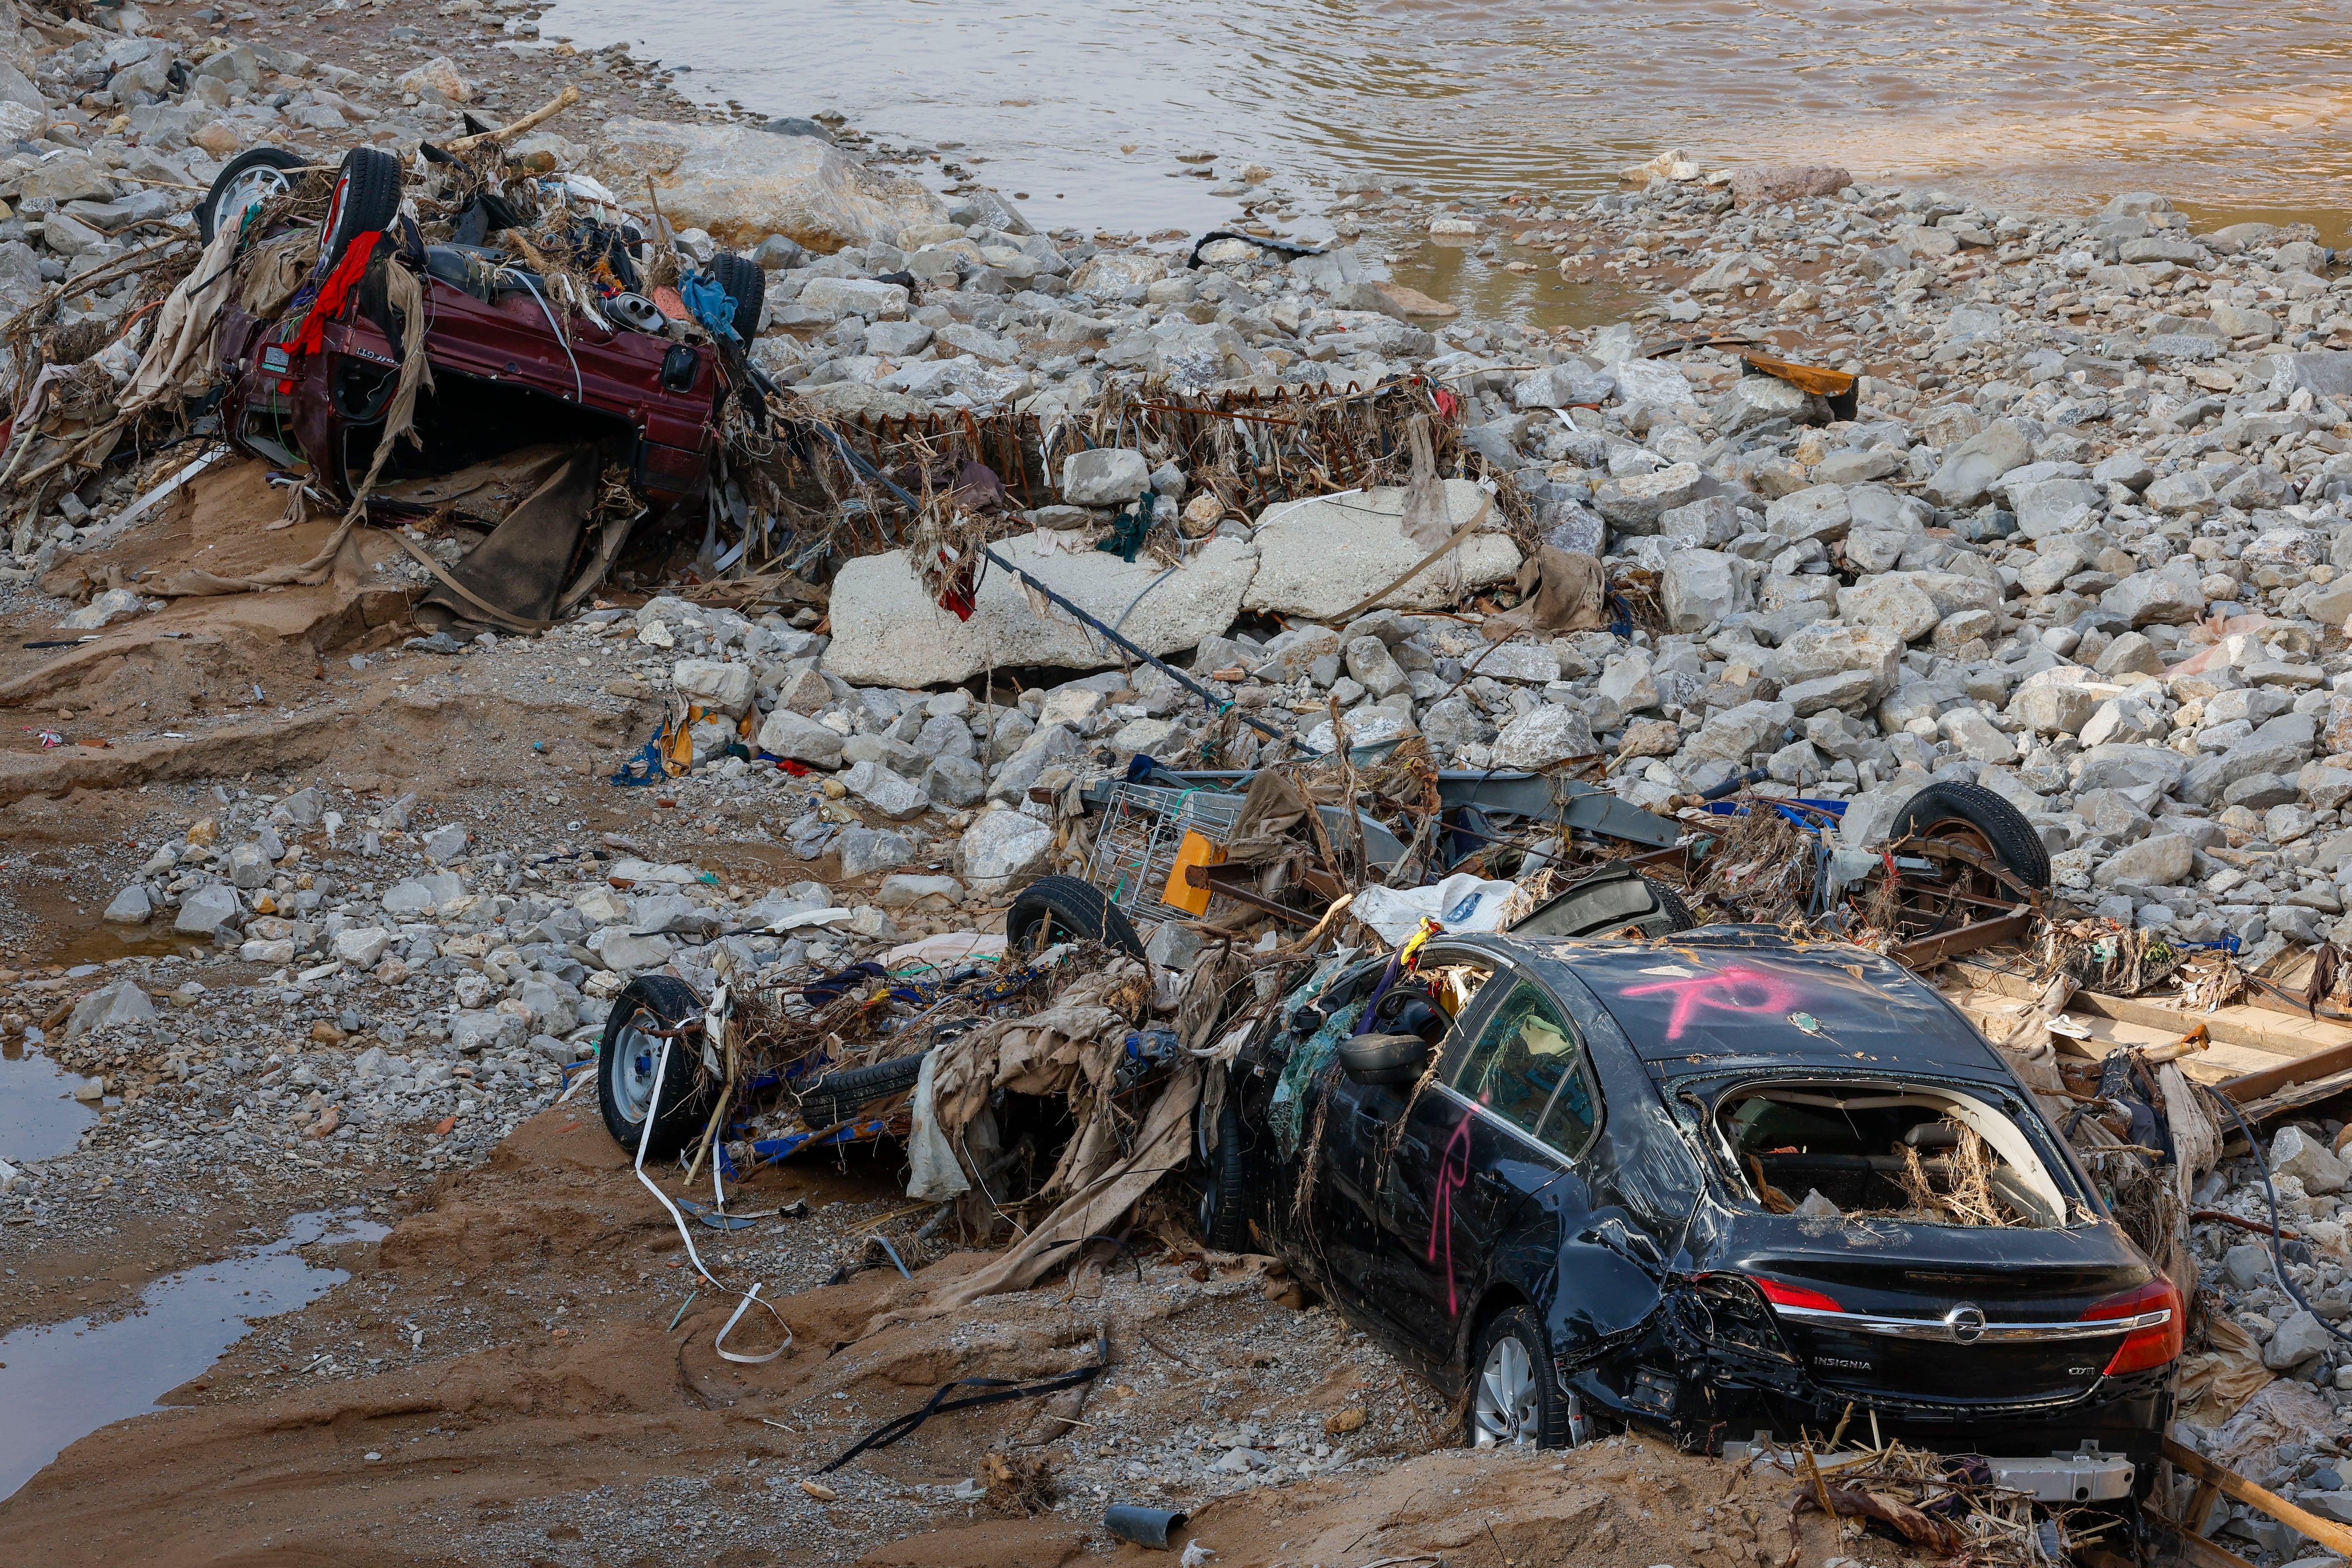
1059	909
833	1097
1672	914
367	198
2014	842
235	172
627	1060
1547	1424
1223	1213
746	285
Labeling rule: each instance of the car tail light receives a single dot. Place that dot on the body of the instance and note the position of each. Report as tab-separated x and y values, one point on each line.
1781	1294
2151	1344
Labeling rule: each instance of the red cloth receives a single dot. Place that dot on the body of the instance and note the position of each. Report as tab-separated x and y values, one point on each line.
335	292
798	770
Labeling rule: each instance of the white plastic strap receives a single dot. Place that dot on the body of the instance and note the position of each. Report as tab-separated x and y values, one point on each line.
653	1103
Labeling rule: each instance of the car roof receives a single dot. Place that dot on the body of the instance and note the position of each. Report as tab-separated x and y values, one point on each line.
1727	998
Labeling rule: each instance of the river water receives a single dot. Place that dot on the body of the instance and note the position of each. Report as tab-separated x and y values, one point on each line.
2237	106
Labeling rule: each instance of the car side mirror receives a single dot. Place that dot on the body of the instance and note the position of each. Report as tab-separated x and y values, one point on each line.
1385	1058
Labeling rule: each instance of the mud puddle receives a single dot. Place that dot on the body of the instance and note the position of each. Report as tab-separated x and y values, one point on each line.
39	1117
60	1381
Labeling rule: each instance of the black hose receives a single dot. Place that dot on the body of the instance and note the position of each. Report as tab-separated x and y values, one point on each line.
2278	1258
1735	784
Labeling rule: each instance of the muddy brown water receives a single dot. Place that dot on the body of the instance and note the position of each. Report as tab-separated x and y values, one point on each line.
2233	105
59	1382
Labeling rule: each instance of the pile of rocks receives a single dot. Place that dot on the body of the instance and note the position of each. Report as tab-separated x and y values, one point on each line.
2286	1437
2080	543
364	975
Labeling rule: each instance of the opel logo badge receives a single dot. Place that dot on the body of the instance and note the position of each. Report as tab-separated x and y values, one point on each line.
1966	1321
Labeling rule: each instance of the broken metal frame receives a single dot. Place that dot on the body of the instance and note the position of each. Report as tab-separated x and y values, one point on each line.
1570	802
1994	921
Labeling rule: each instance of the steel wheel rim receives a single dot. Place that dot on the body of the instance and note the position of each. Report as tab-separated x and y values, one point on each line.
247	191
1943	908
1507	1404
636	1055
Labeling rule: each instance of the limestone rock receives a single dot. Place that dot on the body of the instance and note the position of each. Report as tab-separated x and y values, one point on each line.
1004	845
886	631
123	1002
2155	598
1893	603
711	683
1104	476
1969	469
2159	860
1699	588
1635	502
895	797
742	185
2294	1152
865	850
130	906
207	910
1818	512
1817	651
1773	184
785	733
2297	1341
1543	736
438	75
1318	558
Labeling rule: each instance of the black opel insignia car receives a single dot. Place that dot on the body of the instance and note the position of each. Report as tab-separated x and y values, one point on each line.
1720	1184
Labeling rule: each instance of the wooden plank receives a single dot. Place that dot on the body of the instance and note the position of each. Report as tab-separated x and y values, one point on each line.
2293	1098
2256	1086
2287	1034
2335	1537
2195	1549
1996	1014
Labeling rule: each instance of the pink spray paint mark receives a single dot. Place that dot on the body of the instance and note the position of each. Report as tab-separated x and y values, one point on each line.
1732	990
1452	1175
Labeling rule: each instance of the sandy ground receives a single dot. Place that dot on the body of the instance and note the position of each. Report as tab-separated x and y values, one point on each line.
521	1370
541	1397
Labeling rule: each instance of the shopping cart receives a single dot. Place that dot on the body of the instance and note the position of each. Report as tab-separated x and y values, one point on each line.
1148	832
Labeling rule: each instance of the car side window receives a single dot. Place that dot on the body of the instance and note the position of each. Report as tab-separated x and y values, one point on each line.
1528	1067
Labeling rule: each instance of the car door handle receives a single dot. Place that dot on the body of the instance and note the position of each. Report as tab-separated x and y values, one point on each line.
1494	1185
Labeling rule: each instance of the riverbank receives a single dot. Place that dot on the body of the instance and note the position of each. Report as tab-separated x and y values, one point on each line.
2075	540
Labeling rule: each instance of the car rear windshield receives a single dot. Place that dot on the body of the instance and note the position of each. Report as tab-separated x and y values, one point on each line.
1923	1154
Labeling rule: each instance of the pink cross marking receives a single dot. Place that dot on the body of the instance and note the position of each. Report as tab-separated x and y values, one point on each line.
1732	990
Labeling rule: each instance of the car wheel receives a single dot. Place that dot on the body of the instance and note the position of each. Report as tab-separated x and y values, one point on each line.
1064	908
1516	1401
830	1100
366	200
244	183
745	284
1970	812
626	1063
1224	1211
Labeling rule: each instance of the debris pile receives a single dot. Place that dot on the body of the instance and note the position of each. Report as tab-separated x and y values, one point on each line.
1104	633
